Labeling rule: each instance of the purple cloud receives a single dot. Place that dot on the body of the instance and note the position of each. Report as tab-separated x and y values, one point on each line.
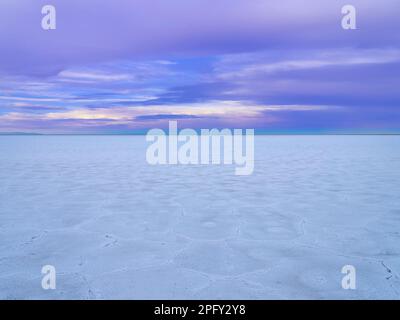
124	65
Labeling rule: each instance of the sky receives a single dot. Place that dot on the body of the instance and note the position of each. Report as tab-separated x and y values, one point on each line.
123	66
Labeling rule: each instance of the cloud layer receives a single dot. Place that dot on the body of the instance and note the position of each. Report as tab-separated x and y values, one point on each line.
122	65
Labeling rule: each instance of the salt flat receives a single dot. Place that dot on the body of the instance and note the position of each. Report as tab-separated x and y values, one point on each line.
115	227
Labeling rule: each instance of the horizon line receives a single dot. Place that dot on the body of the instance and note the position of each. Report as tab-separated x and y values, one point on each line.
166	133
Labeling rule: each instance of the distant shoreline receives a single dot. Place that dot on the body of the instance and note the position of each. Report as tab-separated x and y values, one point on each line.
144	134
